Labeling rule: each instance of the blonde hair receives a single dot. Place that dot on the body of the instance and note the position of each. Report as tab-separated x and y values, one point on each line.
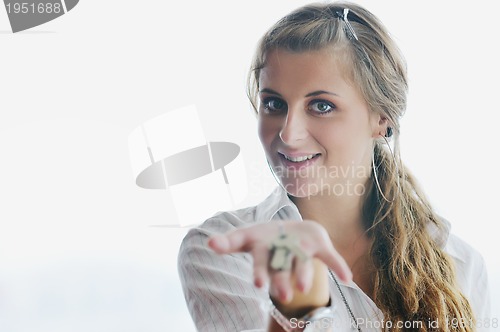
414	279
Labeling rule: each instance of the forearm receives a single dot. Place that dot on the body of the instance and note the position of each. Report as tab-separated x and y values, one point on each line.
218	289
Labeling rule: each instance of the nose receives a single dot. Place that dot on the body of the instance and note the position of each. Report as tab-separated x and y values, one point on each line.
295	127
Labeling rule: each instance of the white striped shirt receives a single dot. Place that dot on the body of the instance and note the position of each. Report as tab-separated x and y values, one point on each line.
221	296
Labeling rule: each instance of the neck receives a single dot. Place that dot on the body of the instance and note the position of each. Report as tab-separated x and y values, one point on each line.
341	216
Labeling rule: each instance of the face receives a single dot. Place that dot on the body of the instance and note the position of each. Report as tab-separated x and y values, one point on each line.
315	127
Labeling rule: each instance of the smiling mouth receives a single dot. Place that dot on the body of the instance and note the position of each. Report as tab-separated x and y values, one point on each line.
300	158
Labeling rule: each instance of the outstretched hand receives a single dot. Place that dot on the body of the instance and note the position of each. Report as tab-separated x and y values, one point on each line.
313	241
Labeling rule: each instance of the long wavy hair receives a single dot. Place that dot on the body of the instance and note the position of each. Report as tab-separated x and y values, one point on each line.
414	279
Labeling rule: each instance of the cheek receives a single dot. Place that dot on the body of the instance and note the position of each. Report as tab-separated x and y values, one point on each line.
344	143
331	136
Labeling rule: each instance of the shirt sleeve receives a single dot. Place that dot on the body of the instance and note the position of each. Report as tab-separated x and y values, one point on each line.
219	289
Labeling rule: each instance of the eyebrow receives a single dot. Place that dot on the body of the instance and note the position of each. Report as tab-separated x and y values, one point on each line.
311	94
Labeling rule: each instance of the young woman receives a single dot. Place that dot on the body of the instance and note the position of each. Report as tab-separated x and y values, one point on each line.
348	241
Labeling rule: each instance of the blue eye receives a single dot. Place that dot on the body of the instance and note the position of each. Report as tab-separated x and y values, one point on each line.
273	105
321	107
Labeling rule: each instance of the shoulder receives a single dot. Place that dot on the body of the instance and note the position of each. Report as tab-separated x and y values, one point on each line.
468	261
471	274
196	238
225	221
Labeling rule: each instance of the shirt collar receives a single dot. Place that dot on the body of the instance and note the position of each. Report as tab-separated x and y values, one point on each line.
277	201
440	234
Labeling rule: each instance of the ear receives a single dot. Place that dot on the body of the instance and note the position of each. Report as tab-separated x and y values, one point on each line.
379	125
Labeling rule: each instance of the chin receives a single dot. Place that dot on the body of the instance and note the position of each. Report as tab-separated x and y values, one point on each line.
297	188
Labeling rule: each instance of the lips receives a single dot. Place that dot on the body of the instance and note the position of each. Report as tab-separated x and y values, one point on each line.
298	160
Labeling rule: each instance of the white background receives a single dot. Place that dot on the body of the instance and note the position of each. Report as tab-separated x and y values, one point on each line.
78	251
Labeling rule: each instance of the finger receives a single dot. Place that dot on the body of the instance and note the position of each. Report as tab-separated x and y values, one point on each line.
260	263
335	262
234	241
281	288
304	272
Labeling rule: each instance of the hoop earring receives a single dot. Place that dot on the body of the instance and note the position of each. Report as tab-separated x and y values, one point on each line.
375	170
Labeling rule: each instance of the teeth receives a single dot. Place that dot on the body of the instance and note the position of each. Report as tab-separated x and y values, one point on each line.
299	159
